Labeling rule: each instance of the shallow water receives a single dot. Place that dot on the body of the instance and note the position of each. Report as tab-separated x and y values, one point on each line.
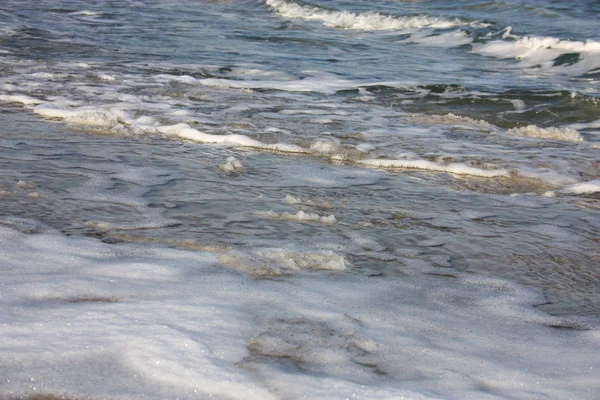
448	150
174	193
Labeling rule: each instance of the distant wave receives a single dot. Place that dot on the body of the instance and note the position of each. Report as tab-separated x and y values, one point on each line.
570	56
369	21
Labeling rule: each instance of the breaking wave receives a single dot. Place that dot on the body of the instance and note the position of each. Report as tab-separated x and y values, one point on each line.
368	21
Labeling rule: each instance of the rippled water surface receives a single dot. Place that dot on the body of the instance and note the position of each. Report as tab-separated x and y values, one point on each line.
383	140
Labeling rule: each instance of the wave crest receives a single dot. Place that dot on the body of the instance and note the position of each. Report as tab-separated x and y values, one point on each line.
369	21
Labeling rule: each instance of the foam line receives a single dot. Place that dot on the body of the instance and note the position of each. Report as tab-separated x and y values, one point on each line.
186	132
453	168
369	21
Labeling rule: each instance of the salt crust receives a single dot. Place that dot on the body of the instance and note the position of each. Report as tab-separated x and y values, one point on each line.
85	319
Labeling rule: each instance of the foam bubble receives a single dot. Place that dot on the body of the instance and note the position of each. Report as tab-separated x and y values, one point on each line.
553	133
232	165
289	199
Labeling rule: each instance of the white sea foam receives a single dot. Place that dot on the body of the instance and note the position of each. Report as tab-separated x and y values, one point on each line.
143	322
300	216
118	120
289	199
584	187
107	77
534	46
553	133
232	165
554	177
186	132
542	52
108	118
369	21
453	168
20	98
325	146
85	13
309	201
453	119
94	95
269	263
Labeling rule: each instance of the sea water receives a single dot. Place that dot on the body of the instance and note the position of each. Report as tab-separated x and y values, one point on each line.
275	199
